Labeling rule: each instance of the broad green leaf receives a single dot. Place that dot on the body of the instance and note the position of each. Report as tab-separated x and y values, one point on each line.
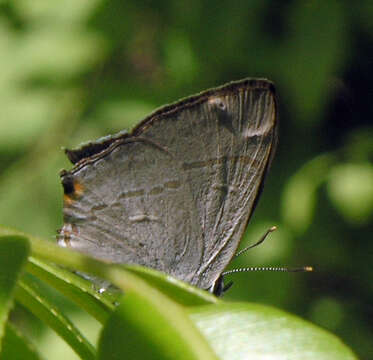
16	347
252	331
179	291
150	326
13	254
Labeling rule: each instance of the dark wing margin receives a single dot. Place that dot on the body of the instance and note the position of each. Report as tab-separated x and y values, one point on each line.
93	147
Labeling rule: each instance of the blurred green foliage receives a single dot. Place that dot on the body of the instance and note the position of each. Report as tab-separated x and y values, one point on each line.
72	71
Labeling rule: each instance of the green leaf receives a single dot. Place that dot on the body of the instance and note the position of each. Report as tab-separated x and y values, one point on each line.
35	299
179	291
252	331
140	298
16	347
149	326
77	289
13	255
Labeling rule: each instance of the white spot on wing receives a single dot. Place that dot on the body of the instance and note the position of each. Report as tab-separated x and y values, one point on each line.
143	217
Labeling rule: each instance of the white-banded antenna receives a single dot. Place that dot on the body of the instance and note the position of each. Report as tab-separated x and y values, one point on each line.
270	268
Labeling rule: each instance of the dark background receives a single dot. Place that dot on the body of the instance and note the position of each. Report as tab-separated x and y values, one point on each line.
72	71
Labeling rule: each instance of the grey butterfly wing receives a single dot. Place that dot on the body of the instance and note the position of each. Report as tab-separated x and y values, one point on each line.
130	205
225	142
207	155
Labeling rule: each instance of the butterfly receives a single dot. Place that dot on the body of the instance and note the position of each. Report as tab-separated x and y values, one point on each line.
177	192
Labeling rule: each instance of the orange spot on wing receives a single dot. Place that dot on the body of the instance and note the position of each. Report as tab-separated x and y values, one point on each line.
67	200
78	189
76	193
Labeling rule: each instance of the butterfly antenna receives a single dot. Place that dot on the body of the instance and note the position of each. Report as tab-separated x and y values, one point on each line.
273	228
270	268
